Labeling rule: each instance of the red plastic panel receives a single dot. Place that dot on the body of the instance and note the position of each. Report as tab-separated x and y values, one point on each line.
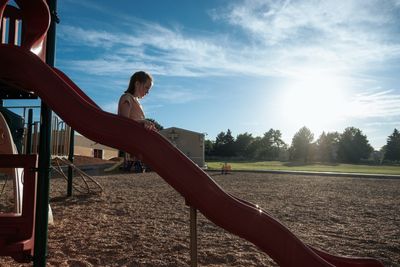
17	234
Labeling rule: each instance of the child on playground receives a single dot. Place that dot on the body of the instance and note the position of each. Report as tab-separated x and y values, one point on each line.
129	107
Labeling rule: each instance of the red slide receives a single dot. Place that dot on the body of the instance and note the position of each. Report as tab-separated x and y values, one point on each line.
239	217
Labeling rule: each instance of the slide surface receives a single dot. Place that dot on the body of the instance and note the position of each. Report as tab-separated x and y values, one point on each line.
239	217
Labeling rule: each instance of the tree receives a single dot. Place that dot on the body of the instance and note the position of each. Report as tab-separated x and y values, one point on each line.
278	145
219	143
264	148
353	146
208	148
302	145
224	144
270	145
326	146
253	148
392	148
242	144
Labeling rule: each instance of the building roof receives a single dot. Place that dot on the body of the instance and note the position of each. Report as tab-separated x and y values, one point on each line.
168	130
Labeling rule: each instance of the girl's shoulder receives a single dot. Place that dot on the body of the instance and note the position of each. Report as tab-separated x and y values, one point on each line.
128	97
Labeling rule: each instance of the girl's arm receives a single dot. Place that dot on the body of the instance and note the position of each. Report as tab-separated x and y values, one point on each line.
124	109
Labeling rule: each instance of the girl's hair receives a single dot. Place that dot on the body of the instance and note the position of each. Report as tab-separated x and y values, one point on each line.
141	77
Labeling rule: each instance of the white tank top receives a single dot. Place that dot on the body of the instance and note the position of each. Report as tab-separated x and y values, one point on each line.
129	106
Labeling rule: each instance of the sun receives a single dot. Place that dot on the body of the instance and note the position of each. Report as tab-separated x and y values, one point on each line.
315	101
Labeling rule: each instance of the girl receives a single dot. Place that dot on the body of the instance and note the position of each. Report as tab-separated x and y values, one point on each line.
129	105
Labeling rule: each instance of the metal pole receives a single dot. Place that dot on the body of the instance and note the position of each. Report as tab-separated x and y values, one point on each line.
71	159
43	186
193	236
29	133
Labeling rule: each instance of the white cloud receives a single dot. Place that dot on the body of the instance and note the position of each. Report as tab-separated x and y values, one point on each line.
176	95
276	21
284	37
345	33
167	52
378	104
378	124
85	37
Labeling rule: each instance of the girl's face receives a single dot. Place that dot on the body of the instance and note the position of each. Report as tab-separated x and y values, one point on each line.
143	89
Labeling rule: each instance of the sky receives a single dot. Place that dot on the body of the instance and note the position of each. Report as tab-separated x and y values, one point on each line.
243	65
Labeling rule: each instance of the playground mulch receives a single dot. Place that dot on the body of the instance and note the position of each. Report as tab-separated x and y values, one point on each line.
139	220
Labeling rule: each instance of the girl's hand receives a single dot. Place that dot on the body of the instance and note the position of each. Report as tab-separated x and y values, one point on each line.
149	125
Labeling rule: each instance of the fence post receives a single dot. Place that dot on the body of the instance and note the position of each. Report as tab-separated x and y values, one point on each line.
71	159
28	149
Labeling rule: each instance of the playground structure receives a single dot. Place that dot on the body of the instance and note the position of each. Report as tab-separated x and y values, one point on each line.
7	146
60	149
60	132
21	68
117	165
226	168
85	185
17	227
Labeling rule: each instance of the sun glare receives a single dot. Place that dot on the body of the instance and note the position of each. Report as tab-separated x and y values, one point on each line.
316	101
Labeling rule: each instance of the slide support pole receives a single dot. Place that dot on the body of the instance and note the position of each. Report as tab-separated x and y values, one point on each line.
193	236
43	184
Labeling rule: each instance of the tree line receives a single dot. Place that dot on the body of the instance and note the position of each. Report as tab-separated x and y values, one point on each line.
351	146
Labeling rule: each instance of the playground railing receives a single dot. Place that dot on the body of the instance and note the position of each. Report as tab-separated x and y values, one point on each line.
60	133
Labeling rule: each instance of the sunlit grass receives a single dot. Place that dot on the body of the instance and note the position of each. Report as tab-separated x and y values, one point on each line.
314	167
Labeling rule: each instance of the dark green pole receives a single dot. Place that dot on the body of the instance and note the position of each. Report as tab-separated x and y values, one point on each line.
71	159
43	185
29	132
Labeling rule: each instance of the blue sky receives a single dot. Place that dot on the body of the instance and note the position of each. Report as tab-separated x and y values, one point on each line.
246	65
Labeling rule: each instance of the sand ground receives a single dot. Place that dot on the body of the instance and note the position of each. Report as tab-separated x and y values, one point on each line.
139	220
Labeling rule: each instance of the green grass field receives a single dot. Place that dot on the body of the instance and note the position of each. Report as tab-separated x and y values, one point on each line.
314	167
